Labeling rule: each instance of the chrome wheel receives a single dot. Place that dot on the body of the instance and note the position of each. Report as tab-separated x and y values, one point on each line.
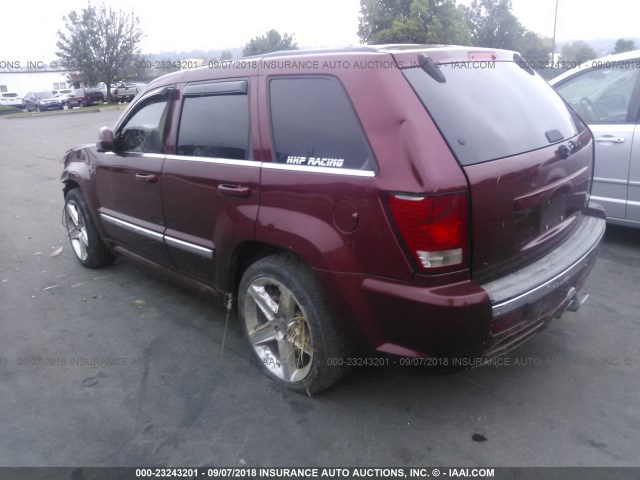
77	230
277	328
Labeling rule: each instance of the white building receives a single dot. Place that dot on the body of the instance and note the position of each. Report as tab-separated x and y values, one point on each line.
23	82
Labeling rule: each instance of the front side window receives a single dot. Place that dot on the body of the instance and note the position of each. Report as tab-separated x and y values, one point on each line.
603	95
215	125
314	125
144	131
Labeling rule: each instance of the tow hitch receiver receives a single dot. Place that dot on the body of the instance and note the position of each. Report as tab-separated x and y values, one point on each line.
573	302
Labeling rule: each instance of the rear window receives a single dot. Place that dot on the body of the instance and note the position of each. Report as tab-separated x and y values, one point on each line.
493	112
215	126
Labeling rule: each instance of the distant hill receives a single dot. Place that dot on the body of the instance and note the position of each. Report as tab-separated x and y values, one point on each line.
203	54
602	46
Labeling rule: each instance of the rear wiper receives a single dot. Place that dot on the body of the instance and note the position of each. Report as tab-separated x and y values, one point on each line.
432	68
554	135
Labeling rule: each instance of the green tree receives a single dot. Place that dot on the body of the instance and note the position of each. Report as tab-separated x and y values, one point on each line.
577	51
535	48
623	45
412	21
492	24
272	41
226	55
101	43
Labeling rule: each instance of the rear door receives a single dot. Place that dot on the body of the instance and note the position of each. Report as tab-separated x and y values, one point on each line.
129	180
211	186
607	99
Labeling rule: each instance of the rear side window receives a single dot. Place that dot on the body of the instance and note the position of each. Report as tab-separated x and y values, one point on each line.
490	113
215	126
314	125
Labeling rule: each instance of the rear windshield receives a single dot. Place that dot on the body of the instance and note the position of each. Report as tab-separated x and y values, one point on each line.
490	113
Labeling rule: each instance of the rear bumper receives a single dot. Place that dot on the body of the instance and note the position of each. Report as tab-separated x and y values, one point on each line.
531	283
525	301
469	320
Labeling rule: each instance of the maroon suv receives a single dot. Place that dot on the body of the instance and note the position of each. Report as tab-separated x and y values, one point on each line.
84	97
422	202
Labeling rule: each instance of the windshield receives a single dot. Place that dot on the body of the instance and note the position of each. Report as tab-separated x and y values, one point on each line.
42	95
493	112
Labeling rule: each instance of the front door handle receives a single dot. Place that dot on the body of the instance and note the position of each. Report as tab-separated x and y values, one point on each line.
234	190
147	178
609	139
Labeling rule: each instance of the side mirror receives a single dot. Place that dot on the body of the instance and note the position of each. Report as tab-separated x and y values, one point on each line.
105	140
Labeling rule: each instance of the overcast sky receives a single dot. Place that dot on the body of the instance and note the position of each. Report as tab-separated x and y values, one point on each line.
28	28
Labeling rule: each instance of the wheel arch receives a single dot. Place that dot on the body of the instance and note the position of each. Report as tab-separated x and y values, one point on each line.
245	255
69	185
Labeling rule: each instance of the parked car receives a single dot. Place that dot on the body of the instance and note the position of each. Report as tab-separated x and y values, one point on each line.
120	92
10	99
62	94
84	97
424	202
606	94
41	101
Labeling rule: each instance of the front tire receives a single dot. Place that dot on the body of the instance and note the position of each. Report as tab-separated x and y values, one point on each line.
86	243
292	335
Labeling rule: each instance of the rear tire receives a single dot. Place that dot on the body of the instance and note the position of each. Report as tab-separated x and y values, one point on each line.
293	336
85	240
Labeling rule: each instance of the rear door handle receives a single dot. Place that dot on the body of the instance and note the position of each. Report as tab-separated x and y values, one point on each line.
147	177
609	139
234	190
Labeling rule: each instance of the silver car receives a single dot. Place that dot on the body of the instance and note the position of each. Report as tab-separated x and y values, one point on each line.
606	94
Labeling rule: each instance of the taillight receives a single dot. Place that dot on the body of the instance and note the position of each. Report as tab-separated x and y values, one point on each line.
115	92
433	228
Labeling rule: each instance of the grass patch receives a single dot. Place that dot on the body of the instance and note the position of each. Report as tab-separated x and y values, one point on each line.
4	110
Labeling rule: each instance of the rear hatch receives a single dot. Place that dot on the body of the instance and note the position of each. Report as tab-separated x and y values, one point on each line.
527	157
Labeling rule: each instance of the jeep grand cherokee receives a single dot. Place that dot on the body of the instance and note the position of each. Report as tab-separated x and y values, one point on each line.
420	201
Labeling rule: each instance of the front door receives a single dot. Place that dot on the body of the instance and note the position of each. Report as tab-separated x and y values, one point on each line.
129	179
